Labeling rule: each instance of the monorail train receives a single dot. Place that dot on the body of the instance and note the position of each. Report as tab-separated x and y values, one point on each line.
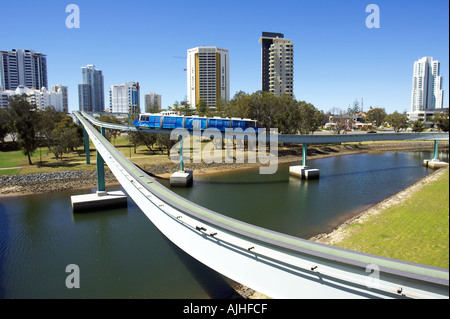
192	122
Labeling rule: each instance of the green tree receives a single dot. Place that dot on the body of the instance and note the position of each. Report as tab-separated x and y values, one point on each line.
202	108
138	138
397	120
418	126
164	141
46	121
310	118
6	124
23	116
376	115
185	109
239	106
263	108
354	109
65	137
441	121
221	108
286	114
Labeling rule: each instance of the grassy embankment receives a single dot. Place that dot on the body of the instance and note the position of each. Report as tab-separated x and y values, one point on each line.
415	230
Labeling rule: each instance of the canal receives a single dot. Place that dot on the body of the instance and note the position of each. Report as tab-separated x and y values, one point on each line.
120	254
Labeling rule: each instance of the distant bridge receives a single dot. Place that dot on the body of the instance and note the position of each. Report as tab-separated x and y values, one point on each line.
275	264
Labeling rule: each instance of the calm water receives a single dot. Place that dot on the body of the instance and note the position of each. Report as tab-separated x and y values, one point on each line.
121	254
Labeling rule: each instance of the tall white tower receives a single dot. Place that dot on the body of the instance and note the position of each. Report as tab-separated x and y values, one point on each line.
427	92
208	75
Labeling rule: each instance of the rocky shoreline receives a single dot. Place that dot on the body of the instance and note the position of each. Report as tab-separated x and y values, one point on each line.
15	185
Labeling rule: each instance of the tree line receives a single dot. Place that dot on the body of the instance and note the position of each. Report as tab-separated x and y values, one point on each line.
299	117
285	113
30	128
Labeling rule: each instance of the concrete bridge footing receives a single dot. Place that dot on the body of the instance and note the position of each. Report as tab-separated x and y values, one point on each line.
304	172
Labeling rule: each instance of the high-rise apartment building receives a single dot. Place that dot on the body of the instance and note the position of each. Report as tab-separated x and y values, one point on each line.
208	75
153	102
277	64
124	98
91	95
427	93
23	68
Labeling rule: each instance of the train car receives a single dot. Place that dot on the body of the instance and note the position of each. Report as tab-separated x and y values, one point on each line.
192	122
243	123
222	124
148	120
195	123
173	122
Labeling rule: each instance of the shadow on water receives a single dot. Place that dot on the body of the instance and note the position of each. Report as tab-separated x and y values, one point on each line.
213	283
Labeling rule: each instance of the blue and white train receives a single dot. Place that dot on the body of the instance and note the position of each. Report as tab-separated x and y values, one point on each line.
148	120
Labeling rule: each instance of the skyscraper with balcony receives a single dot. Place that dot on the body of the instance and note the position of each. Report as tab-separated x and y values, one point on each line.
91	92
208	75
427	92
277	64
23	68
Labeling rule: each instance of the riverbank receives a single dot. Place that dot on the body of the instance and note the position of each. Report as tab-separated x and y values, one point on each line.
15	185
341	232
417	214
347	229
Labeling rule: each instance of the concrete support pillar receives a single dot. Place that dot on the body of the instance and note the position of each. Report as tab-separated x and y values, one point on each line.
435	150
101	188
435	162
181	178
303	171
181	154
86	146
304	153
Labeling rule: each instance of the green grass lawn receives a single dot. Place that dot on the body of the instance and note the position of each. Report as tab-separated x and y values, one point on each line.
14	162
416	230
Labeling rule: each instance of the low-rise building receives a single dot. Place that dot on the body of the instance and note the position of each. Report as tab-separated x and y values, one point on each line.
42	98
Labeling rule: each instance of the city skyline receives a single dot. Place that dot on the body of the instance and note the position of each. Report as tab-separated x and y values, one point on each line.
338	58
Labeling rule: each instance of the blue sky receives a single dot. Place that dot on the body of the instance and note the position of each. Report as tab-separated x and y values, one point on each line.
337	58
